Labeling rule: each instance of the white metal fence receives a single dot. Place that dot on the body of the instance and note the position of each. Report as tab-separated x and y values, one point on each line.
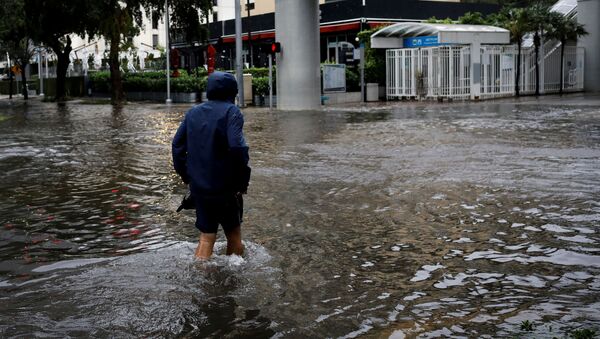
445	71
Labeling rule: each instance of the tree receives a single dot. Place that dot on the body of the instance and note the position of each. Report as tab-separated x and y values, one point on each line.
119	21
564	29
538	16
434	20
15	37
473	18
516	21
52	21
374	57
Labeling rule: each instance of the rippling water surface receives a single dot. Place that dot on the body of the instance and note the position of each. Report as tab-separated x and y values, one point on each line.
406	220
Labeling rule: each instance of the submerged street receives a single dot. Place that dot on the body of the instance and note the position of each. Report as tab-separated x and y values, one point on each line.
402	220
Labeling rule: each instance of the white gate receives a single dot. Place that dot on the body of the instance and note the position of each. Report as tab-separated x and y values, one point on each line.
445	71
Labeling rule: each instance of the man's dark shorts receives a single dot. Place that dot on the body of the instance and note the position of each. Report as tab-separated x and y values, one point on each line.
212	211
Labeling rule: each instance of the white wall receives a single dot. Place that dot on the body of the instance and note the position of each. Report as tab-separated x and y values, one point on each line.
225	10
143	41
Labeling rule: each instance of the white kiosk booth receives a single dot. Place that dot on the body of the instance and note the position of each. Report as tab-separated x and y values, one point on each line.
444	60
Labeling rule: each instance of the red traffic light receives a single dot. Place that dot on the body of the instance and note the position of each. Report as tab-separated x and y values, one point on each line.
275	47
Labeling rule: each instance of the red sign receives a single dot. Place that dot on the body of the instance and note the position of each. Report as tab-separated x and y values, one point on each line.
212	52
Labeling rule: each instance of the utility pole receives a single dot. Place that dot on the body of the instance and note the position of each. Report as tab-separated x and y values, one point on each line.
238	53
168	101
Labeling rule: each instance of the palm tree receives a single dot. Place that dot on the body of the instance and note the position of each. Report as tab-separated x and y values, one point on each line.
564	29
539	14
516	21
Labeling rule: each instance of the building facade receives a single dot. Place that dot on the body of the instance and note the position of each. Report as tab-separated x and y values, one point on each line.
340	21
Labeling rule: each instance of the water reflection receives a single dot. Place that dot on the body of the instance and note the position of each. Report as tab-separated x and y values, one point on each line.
409	220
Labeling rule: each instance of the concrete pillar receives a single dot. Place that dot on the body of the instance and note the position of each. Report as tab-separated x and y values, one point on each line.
475	70
588	12
298	73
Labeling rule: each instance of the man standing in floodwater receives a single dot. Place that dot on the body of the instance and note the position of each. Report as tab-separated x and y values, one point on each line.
211	155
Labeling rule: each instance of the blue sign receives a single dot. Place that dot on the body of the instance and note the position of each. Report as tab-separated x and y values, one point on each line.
420	41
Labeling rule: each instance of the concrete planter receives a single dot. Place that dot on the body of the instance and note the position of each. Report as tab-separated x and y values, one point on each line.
161	96
341	98
259	100
184	97
372	92
266	102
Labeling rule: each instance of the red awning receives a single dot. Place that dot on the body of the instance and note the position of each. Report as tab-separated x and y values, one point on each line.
353	26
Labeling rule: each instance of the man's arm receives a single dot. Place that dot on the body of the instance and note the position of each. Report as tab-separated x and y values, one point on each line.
179	150
238	149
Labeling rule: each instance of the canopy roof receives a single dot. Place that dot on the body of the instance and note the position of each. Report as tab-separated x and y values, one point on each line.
392	36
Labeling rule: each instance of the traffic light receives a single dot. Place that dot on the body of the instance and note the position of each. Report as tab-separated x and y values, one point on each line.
275	47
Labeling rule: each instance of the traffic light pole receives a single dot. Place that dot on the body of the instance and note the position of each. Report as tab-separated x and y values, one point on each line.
270	80
362	72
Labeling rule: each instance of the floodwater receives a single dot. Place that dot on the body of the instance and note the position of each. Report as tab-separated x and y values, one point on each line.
402	220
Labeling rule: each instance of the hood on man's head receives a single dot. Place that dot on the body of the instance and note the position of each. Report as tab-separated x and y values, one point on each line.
221	86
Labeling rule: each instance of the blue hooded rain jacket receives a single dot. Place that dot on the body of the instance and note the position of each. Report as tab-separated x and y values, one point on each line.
209	150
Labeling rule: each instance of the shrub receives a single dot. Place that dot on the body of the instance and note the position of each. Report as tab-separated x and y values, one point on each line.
199	72
203	83
352	80
260	86
100	81
185	84
257	72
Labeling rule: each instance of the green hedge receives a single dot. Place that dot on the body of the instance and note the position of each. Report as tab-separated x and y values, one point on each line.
155	81
74	86
5	86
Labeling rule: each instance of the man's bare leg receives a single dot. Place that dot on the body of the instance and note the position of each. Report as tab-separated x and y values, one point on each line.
205	245
234	241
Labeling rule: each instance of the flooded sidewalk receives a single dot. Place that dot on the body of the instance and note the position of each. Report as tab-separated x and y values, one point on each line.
399	219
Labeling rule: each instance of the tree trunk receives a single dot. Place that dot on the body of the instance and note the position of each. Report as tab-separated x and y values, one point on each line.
536	40
117	96
62	64
562	56
24	82
518	77
10	82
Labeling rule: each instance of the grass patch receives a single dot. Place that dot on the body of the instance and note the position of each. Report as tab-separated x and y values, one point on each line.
527	325
584	333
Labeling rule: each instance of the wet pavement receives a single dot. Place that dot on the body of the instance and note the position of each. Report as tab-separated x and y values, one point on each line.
400	219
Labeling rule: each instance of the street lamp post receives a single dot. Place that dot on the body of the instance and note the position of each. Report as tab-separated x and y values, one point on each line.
248	8
40	76
168	101
238	52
